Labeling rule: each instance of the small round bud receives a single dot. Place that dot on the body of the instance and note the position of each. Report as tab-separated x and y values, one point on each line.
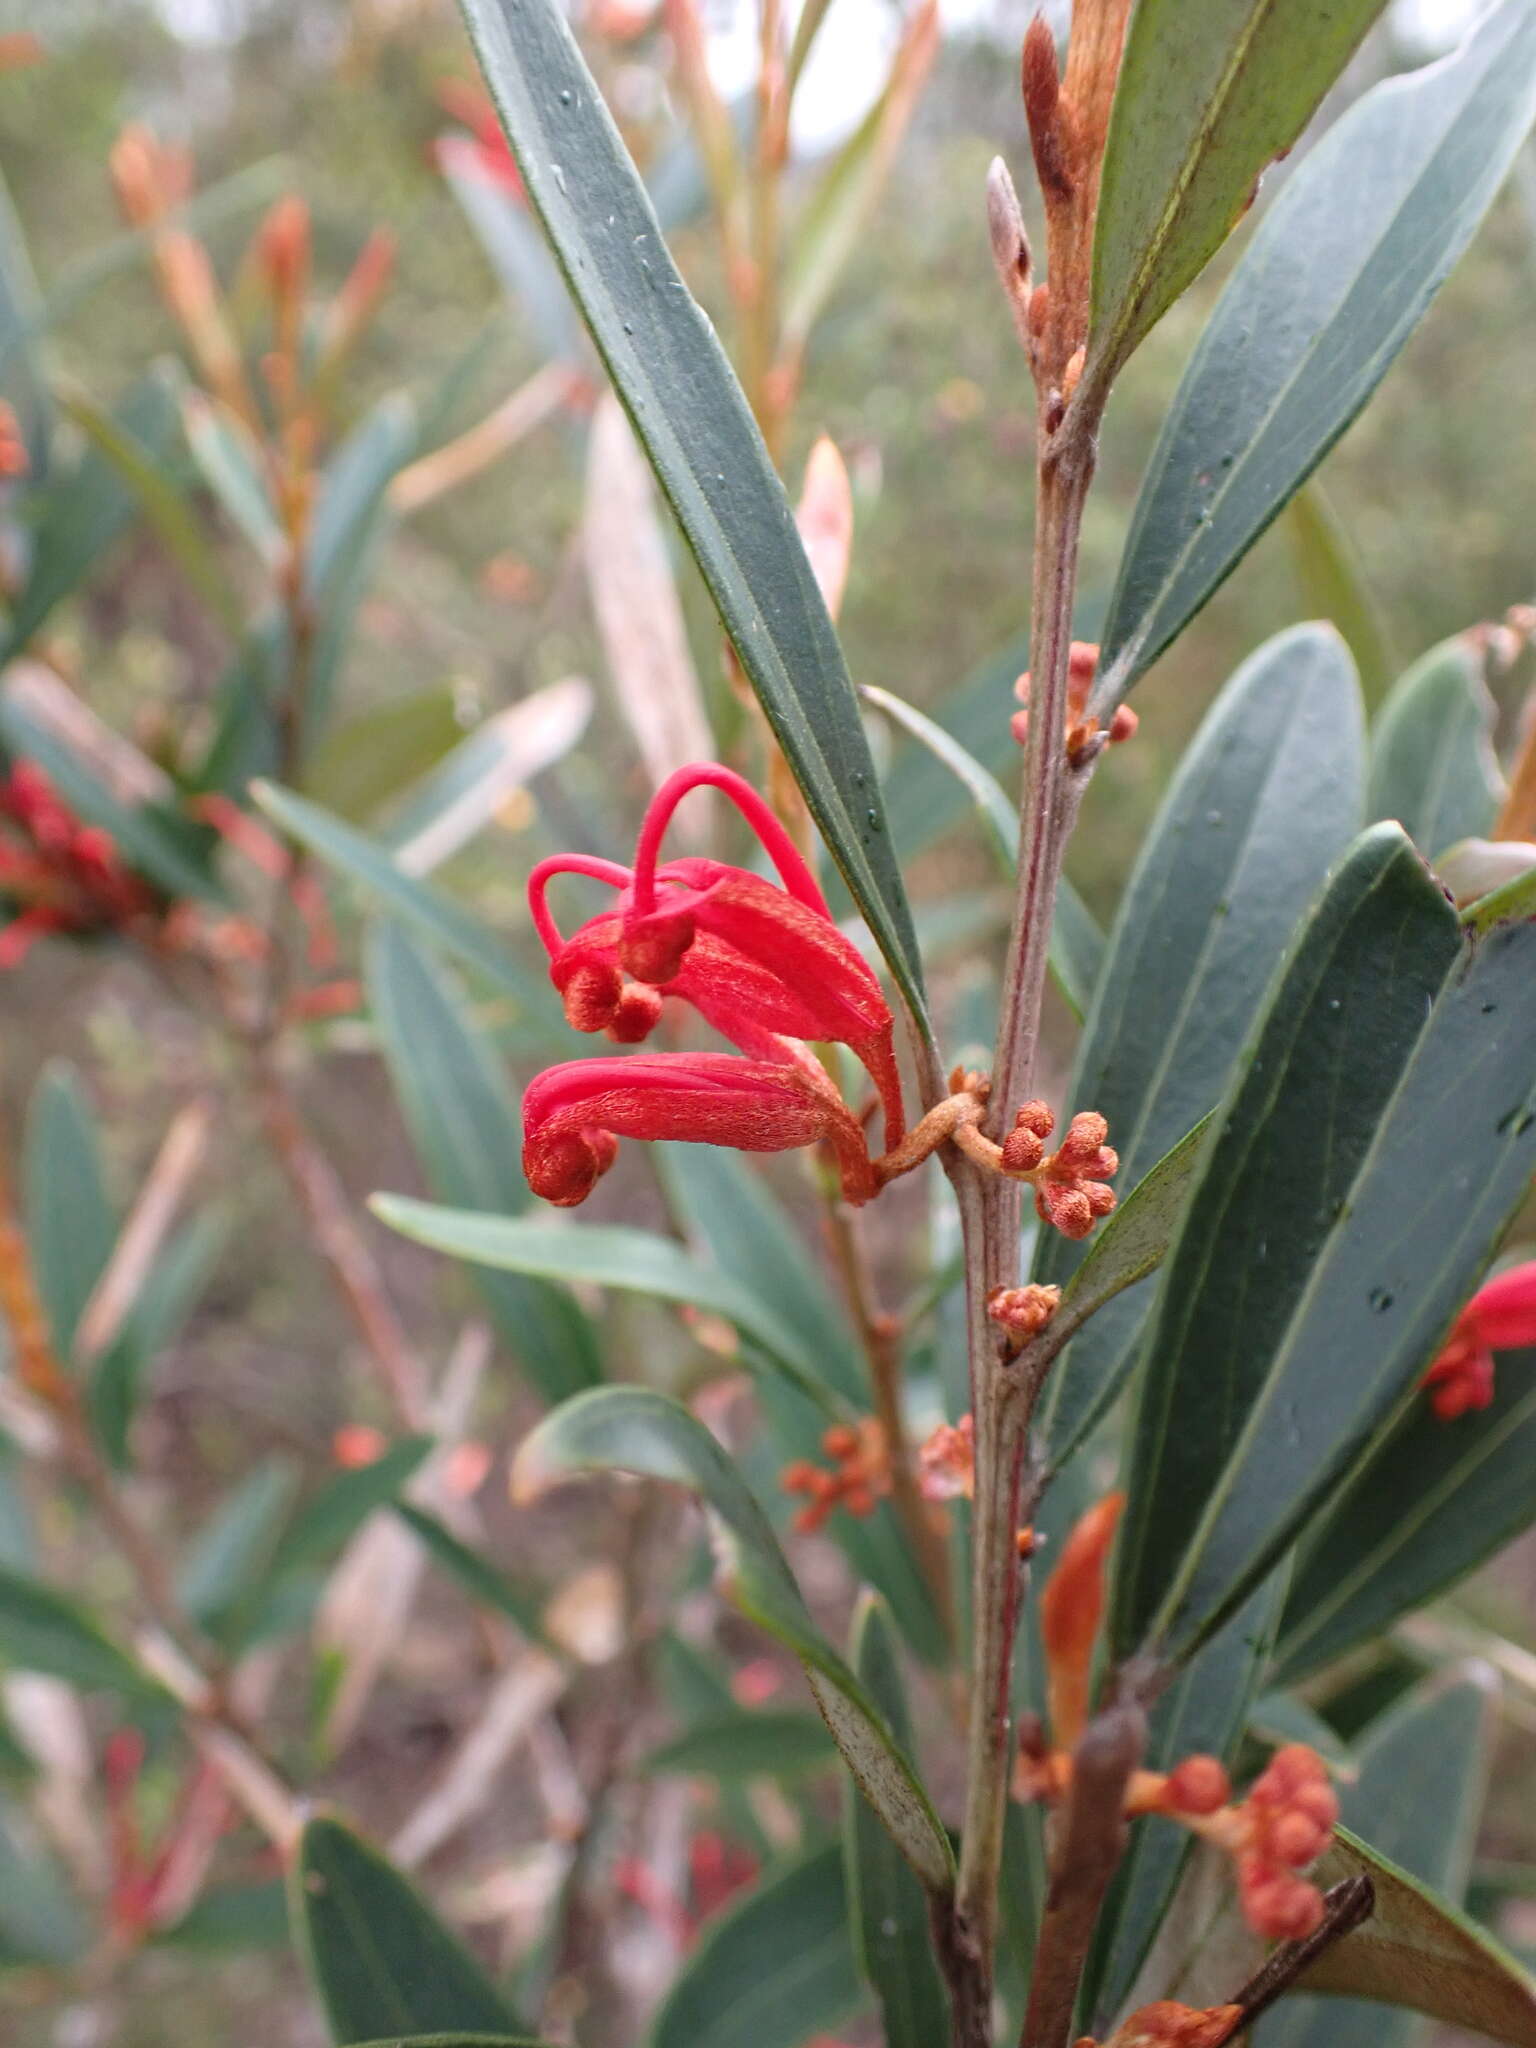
636	1014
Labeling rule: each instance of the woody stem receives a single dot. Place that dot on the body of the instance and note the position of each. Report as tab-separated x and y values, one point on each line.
989	1205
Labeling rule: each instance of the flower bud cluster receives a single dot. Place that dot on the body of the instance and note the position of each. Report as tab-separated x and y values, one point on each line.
1086	736
860	1474
65	876
947	1461
1069	1183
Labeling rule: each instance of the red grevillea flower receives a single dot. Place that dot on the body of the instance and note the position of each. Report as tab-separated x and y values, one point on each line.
1501	1316
60	874
574	1115
762	962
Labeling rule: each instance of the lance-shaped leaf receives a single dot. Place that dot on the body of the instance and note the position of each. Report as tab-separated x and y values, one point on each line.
376	1953
739	1744
1327	1247
670	371
70	1218
1209	93
1430	1505
41	1630
730	1212
632	1429
466	1133
1419	1795
1417	1950
417	904
774	1971
1332	585
887	1910
613	1255
1339	273
1432	761
1229	866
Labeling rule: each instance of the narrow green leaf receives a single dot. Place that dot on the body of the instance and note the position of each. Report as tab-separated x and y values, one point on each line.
352	493
1135	1241
79	513
1323	299
333	1515
1430	1505
1432	761
632	1429
70	1220
1327	1249
40	1919
424	909
1418	1949
376	1953
230	463
689	412
365	761
1333	586
1514	899
41	1630
1077	944
466	1131
160	495
476	1575
771	1972
171	1290
1230	864
1209	93
722	1205
228	1919
233	1551
610	1255
1422	1780
25	381
741	1744
924	797
886	1908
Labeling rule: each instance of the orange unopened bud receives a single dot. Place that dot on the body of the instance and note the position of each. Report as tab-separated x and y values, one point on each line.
1023	1311
14	460
1198	1785
1070	1611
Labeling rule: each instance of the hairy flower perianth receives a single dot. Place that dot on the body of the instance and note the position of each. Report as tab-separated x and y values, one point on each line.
1501	1316
58	874
860	1474
574	1115
1167	2024
1085	735
760	962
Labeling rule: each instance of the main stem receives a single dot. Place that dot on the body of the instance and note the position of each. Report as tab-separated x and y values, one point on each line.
989	1207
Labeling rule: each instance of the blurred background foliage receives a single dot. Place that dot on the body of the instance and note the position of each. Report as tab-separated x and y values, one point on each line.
915	374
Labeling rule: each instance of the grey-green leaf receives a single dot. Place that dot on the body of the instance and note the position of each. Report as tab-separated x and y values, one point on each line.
610	1255
1229	866
1326	1248
685	404
737	1744
1432	761
1337	276
1209	93
632	1429
41	1630
466	1132
71	1224
887	1910
772	1972
1430	1505
376	1953
417	904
